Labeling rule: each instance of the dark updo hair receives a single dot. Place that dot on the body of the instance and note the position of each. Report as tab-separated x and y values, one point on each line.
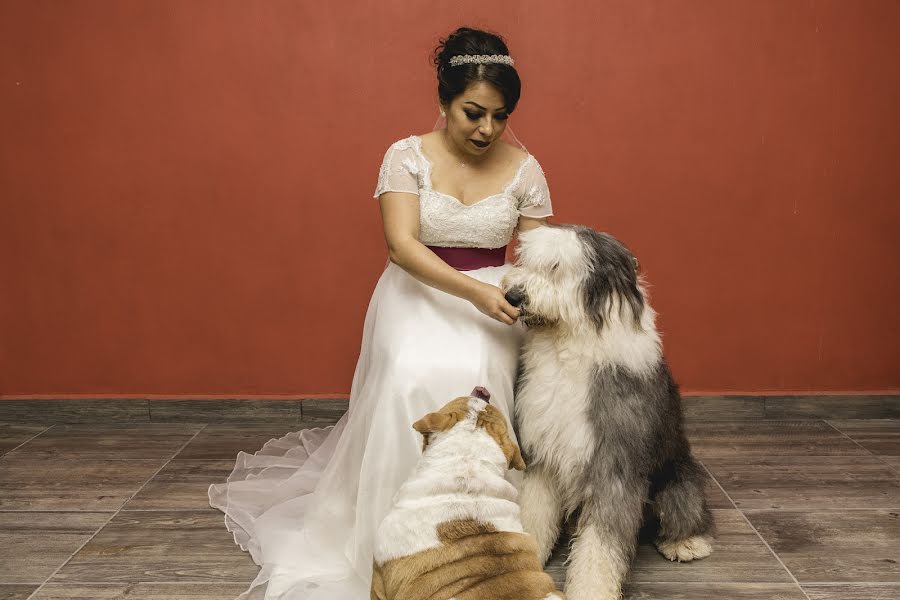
453	81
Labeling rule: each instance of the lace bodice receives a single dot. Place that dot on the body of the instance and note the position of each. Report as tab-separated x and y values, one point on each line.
443	219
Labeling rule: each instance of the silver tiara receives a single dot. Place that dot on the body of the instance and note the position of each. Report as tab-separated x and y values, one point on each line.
480	59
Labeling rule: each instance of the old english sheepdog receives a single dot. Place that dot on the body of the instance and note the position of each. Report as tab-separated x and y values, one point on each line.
598	413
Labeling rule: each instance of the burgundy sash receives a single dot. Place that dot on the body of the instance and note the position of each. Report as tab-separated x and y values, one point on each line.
469	259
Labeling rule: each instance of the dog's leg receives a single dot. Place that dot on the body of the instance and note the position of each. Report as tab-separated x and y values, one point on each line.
606	540
541	509
686	525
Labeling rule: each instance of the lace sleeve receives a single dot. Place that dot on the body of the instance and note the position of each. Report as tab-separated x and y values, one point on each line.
400	170
533	192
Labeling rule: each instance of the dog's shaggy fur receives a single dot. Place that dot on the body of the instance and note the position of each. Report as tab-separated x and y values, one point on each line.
599	416
454	532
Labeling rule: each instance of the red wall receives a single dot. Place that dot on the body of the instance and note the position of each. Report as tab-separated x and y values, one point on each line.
185	187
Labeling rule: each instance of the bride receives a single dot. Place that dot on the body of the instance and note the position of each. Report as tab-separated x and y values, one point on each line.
307	506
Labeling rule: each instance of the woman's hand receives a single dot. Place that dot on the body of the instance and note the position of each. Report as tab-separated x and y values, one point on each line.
489	300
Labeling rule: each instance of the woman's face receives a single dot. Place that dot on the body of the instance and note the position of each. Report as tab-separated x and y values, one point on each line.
478	115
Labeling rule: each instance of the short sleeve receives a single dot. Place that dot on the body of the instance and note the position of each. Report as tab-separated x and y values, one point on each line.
532	191
400	170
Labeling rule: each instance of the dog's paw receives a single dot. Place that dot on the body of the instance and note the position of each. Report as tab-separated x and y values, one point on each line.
687	549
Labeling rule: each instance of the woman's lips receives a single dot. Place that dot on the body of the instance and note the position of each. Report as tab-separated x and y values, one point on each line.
480	144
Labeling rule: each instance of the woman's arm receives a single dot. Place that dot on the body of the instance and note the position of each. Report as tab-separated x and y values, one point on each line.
400	215
526	223
533	199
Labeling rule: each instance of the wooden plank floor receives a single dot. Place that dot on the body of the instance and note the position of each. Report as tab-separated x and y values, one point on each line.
805	510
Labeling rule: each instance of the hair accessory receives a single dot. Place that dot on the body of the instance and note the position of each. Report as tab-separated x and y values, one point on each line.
480	59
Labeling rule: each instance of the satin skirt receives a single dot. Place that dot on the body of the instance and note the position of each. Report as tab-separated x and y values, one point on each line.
307	506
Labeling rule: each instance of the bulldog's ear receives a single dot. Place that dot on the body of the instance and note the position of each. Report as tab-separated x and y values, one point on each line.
444	419
494	423
427	425
515	461
434	422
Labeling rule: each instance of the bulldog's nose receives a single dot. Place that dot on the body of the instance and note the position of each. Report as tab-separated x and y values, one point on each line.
515	296
480	392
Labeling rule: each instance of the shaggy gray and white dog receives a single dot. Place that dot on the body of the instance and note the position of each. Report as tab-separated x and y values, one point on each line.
599	415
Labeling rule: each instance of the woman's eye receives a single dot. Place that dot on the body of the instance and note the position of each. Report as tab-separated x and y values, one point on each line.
476	116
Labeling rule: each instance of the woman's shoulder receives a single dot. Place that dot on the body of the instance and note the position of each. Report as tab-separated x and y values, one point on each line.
403	150
425	136
516	153
515	158
406	143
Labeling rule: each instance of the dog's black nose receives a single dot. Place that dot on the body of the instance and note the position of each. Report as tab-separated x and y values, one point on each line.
515	296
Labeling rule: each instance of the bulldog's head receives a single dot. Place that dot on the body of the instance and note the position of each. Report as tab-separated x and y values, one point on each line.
470	414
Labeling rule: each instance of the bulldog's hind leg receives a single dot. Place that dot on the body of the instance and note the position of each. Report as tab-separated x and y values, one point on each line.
541	509
378	592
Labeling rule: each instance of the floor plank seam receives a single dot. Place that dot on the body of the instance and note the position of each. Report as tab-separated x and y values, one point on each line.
762	539
242	582
878	456
737	456
53	510
880	595
816	509
5	454
718	485
842	583
87	460
209	509
93	510
33	594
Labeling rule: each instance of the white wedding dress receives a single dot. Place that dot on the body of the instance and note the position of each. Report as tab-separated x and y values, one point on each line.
307	506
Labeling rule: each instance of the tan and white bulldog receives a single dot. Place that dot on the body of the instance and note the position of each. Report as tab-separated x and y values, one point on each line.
454	532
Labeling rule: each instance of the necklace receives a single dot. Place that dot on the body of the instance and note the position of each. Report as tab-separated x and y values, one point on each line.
460	162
